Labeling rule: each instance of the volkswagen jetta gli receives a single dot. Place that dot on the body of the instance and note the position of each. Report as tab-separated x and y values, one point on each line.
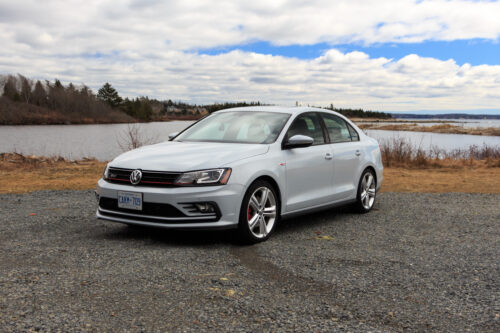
244	168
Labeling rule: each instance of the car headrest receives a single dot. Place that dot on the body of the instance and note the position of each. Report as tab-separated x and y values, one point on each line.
299	127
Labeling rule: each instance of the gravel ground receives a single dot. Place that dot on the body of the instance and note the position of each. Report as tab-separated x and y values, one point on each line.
417	262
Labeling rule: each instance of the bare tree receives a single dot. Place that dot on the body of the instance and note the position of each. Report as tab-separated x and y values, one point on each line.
134	137
26	84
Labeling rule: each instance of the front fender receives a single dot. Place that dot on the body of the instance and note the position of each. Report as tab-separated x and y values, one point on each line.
245	172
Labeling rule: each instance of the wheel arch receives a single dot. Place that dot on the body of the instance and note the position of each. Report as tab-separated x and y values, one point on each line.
370	167
273	182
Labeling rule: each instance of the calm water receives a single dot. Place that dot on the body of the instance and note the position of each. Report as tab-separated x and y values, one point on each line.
78	141
467	123
102	141
443	141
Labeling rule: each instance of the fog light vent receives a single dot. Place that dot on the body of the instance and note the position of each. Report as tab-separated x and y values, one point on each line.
208	208
205	207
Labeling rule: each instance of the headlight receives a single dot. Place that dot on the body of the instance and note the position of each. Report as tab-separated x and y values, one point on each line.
105	174
204	177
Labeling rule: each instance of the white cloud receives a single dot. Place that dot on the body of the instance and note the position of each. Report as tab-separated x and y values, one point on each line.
347	80
146	47
84	26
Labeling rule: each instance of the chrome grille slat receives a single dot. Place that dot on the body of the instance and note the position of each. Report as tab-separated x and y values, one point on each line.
149	178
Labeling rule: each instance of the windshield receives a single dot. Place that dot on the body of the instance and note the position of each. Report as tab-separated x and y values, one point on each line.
237	127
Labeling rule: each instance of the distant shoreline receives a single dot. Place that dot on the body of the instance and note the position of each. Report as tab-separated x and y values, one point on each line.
396	119
444	128
62	123
450	116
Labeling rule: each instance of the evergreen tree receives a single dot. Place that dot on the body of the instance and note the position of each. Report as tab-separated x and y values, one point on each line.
39	94
109	95
58	84
10	89
139	108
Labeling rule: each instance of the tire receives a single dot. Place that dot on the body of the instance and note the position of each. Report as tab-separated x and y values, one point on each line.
263	217
367	193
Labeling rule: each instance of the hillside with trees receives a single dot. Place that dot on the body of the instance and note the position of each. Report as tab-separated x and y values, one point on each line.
24	101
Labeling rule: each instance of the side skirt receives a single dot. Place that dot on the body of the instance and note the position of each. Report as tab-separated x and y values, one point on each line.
316	208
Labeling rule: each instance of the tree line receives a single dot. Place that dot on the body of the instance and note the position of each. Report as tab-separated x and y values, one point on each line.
55	103
26	101
360	113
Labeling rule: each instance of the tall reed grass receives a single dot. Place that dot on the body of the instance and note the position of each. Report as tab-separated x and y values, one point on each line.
400	152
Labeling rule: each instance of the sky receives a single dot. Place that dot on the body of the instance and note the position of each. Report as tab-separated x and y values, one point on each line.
395	56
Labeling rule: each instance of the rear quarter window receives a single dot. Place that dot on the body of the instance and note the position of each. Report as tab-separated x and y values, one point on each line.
353	132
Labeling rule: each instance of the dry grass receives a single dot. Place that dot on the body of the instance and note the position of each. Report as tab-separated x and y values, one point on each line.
463	179
400	152
22	174
441	128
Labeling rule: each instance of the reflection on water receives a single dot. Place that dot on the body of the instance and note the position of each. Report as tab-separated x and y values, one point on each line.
102	141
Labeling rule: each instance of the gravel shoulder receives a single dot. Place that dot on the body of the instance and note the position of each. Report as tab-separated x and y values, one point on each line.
417	262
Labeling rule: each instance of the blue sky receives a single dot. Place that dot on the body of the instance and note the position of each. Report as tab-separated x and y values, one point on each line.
473	51
386	55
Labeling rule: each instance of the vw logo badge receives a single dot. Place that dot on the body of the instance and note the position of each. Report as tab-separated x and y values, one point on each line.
135	177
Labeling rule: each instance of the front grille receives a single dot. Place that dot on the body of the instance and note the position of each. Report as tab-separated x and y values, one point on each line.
148	208
149	178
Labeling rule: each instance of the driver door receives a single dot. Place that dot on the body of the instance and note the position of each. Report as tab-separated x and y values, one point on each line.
309	169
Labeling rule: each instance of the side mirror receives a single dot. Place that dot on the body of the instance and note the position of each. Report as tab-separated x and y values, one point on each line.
298	141
172	135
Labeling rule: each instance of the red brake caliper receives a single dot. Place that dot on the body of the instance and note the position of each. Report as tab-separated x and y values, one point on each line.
249	215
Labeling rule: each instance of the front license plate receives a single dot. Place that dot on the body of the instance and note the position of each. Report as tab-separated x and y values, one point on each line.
130	200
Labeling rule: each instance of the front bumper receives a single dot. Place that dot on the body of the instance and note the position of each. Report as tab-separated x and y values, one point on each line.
226	197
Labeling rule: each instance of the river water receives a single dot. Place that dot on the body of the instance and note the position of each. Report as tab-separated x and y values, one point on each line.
104	141
466	123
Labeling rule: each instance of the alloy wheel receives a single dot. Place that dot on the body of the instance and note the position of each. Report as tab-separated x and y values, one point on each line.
261	212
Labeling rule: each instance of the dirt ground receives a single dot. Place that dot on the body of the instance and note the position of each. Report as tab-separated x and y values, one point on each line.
418	262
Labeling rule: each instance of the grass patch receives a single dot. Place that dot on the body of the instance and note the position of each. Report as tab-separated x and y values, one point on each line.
403	173
23	174
441	180
401	153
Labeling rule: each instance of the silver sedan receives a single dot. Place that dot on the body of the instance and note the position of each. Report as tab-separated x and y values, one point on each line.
244	168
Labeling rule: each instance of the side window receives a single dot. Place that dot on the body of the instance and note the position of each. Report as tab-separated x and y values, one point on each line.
307	124
354	134
337	128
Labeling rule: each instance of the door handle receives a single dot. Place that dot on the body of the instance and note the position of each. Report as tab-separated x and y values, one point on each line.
358	153
328	156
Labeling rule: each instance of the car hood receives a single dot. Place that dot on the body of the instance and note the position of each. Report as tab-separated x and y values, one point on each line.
186	156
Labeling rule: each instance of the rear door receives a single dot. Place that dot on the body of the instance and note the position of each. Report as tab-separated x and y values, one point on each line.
308	170
346	154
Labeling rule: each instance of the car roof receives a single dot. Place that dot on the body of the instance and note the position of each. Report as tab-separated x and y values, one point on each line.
280	109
